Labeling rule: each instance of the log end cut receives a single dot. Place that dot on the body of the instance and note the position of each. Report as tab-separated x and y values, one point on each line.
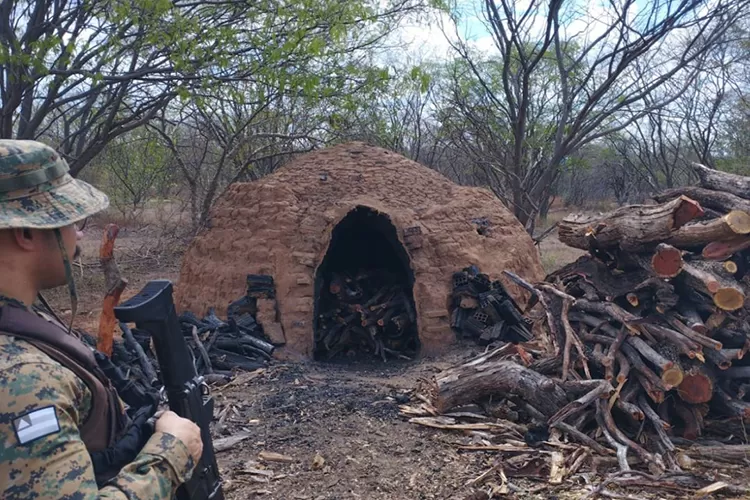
731	267
672	376
687	210
696	388
739	221
721	250
667	261
729	299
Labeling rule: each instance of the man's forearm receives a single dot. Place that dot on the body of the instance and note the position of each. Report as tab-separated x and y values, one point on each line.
162	465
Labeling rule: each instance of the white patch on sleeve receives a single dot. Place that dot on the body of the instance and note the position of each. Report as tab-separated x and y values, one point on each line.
36	424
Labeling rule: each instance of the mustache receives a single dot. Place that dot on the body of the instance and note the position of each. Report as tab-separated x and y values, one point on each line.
78	252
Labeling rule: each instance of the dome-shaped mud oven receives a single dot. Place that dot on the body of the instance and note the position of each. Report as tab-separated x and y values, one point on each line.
349	229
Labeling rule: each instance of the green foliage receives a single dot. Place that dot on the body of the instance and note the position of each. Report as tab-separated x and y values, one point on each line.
135	56
136	168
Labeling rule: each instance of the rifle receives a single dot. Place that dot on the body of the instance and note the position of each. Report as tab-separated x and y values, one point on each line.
153	310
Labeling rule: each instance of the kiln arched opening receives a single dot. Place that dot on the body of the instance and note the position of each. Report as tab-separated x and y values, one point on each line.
364	302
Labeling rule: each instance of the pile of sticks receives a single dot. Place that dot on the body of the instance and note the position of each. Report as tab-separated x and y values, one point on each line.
660	304
648	333
368	313
483	310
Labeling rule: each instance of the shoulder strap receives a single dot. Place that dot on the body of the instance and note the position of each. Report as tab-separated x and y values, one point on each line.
23	323
99	429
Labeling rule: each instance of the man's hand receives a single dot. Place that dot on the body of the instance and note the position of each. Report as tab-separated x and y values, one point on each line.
184	430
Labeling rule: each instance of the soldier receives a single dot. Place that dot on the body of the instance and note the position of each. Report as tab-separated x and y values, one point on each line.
57	409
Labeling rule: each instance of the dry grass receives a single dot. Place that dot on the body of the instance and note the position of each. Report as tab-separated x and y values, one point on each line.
552	252
555	255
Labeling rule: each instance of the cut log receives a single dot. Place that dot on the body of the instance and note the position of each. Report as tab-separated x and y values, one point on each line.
670	352
485	376
692	317
731	267
731	406
722	250
723	358
716	320
723	181
699	234
727	453
737	372
631	228
666	261
697	383
712	281
692	334
114	284
708	198
671	373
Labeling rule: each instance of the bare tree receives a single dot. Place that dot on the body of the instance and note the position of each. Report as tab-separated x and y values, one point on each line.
222	139
574	80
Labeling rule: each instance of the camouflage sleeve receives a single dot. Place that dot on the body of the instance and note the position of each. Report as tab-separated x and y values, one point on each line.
56	464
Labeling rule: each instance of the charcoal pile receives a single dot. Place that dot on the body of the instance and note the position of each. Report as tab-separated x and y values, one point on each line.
483	310
219	347
368	313
648	333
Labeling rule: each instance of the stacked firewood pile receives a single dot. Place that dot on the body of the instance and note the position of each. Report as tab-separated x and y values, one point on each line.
218	347
660	306
483	310
648	334
369	313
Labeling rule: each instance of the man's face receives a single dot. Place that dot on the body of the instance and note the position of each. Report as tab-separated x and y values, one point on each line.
50	263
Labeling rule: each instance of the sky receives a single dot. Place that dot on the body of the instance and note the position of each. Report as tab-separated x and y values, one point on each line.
427	40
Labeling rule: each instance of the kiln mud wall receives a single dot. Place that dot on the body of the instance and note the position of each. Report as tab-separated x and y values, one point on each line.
282	224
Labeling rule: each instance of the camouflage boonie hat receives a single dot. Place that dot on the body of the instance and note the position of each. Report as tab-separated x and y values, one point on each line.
36	190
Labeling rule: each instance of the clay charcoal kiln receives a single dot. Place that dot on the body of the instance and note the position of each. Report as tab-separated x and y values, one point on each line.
362	245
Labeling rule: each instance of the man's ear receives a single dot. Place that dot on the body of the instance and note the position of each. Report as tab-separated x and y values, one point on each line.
26	239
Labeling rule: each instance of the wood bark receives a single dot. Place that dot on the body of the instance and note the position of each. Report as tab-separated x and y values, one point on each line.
699	234
631	228
114	284
717	200
485	376
712	281
723	181
691	316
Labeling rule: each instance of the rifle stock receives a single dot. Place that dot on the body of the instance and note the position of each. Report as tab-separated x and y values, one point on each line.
152	310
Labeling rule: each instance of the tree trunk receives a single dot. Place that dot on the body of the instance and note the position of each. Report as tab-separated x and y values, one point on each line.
700	234
486	377
631	228
712	281
722	181
716	200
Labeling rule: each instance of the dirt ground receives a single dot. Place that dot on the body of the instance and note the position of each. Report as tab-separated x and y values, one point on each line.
347	417
336	427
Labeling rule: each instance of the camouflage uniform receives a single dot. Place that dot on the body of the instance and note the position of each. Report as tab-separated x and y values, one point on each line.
57	463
